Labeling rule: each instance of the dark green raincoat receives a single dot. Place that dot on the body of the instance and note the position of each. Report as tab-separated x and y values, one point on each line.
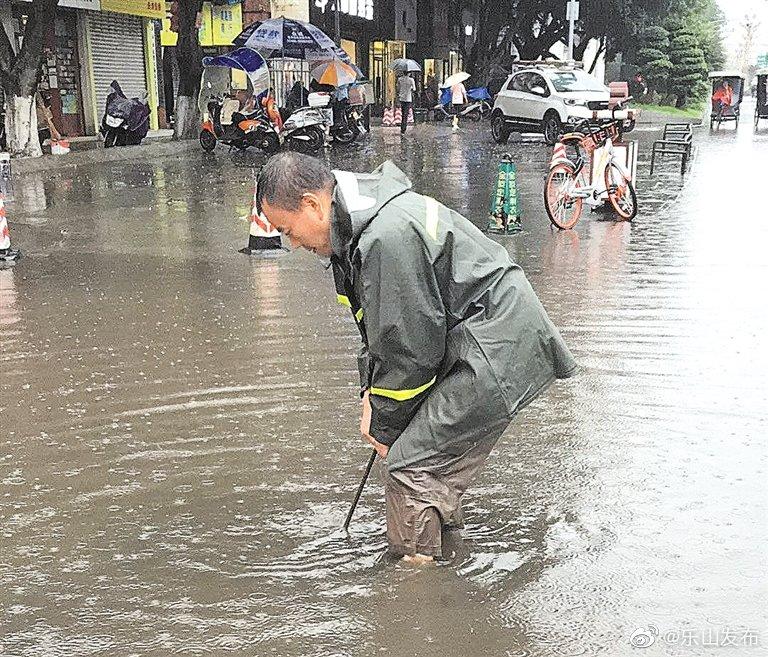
455	341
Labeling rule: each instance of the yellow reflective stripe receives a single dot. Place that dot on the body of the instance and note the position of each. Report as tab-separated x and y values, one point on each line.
402	395
359	315
431	220
343	300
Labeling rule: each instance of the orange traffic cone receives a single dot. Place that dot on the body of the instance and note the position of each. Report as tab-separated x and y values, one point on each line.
263	236
559	153
7	254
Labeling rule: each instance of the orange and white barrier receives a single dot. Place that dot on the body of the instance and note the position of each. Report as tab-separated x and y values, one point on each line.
262	235
394	117
7	254
389	117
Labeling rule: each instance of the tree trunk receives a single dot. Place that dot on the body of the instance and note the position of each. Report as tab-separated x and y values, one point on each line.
18	76
189	56
187	118
21	127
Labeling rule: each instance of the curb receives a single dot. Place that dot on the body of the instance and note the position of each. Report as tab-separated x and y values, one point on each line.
151	150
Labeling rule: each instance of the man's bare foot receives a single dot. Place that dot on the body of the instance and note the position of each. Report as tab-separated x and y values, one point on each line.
418	559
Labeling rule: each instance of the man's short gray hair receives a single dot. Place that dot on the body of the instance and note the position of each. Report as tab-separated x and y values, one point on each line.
287	176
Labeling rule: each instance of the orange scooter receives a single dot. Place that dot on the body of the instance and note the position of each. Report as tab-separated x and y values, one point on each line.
250	128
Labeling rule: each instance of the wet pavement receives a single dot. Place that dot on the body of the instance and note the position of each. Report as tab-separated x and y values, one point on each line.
178	424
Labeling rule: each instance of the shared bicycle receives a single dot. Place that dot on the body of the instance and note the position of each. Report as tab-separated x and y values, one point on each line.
570	184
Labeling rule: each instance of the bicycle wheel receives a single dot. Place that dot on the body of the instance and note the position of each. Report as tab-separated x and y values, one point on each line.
621	193
563	209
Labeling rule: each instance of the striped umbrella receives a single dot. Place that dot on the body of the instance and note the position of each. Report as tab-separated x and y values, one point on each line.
336	73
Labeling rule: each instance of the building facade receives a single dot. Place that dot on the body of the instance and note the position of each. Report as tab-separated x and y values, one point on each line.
91	43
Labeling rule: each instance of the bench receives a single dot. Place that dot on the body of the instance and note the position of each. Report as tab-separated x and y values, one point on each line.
677	139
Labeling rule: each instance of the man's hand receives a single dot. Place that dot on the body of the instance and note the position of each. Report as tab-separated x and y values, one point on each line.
365	428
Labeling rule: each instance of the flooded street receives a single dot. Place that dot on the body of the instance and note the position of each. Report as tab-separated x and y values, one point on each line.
179	436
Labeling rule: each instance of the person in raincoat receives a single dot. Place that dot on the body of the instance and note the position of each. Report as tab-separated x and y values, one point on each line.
455	341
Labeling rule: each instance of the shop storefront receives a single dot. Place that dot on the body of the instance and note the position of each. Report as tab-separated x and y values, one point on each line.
121	46
60	83
382	54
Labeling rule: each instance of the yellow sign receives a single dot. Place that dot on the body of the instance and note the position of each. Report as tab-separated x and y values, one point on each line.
148	8
219	25
167	37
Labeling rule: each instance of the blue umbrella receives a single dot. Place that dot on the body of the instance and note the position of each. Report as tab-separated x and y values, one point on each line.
286	37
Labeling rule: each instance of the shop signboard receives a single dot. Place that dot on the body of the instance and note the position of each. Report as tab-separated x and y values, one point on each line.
146	8
220	24
93	5
359	8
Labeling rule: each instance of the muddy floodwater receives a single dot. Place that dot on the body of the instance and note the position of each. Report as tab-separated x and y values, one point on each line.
178	423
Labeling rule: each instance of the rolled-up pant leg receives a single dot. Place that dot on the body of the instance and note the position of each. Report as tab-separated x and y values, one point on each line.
424	500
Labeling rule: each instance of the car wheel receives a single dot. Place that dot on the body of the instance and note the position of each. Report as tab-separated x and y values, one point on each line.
499	129
551	127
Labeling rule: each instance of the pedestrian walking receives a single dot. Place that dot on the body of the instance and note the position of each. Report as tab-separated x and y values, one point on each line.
458	100
406	85
454	340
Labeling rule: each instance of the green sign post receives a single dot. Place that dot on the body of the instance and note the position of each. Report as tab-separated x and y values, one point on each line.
505	204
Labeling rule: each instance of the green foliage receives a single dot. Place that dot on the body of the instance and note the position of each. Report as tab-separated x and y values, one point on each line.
689	68
652	58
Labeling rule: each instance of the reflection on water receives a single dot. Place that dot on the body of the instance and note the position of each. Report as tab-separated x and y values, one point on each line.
179	446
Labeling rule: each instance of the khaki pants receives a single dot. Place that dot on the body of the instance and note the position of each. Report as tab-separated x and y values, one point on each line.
424	500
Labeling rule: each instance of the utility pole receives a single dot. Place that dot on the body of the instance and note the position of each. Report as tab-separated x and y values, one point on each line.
572	15
336	23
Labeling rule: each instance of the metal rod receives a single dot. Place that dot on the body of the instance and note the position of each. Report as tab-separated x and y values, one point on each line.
336	24
360	490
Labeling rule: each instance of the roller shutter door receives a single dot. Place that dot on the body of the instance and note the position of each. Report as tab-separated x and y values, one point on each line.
117	53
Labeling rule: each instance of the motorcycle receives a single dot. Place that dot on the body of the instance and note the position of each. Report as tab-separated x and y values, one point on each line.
238	130
126	120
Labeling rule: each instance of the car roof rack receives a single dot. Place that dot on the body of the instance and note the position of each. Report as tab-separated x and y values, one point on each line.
567	65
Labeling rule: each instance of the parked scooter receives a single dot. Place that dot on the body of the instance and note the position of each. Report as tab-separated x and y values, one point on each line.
126	120
349	125
443	109
481	102
304	130
343	121
239	130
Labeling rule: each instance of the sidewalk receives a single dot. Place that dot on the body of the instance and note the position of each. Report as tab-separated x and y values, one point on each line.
89	150
94	141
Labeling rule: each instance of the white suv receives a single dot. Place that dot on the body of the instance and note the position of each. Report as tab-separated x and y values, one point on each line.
546	99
